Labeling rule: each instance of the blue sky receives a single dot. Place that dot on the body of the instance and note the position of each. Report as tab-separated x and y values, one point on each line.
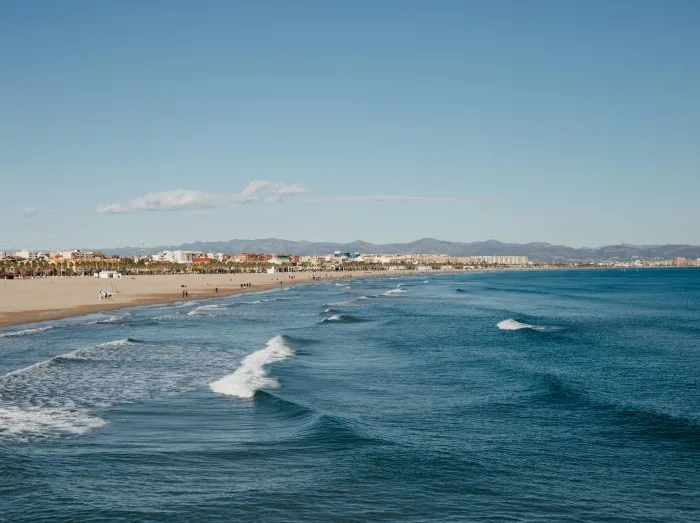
147	123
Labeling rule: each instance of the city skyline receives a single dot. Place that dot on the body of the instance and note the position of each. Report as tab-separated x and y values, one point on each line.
573	124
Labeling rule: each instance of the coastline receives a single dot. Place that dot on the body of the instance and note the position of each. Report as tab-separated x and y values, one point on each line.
24	302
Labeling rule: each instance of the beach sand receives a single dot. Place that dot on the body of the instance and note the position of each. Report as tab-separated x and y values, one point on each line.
41	299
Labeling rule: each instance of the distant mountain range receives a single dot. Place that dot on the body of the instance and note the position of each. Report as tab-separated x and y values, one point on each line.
543	252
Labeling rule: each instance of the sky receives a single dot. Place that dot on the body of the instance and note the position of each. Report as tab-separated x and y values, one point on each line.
142	123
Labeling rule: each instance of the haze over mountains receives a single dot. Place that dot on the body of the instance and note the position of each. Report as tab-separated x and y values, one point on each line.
536	251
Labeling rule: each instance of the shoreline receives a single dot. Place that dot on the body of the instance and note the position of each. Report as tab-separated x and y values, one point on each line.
25	302
25	311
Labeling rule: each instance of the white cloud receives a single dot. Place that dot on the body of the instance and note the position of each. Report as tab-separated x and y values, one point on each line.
29	212
198	202
177	200
181	199
390	198
272	190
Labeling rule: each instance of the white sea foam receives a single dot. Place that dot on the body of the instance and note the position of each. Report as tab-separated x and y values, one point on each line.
185	304
63	325
76	354
35	401
203	309
65	395
252	373
394	291
108	319
341	303
514	325
20	424
335	317
167	317
25	332
285	298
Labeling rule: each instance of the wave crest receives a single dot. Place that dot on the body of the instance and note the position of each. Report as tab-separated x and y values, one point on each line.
342	318
514	325
252	374
25	332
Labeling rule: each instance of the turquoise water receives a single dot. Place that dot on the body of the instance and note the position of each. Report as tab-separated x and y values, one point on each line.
519	396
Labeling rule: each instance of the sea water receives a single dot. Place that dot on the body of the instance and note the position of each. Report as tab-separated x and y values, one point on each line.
511	396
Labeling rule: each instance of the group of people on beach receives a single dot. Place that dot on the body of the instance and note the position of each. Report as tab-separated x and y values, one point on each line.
244	285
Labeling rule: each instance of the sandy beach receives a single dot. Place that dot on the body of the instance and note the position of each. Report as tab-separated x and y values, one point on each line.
41	299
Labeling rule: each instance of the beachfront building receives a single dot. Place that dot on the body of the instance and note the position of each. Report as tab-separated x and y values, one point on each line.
342	256
175	256
282	259
29	255
502	260
279	259
251	257
383	259
78	255
311	260
108	274
685	262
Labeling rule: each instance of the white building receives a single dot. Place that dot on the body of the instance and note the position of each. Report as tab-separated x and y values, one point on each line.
311	260
175	256
28	255
108	274
503	260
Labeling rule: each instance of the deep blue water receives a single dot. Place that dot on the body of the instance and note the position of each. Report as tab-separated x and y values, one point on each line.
519	396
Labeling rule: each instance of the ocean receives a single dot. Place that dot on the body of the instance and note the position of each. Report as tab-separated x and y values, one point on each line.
506	396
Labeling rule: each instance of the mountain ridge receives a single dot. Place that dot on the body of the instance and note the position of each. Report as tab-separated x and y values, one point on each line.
536	251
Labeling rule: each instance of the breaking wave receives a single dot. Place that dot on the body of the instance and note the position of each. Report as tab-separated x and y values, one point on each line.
343	318
214	309
109	319
40	407
203	309
514	325
166	317
71	324
393	291
252	373
348	302
20	423
25	332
